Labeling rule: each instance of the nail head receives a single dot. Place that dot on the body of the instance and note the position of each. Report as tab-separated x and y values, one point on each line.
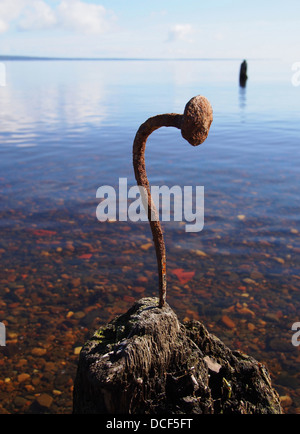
197	119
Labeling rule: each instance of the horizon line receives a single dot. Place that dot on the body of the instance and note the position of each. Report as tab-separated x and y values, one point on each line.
44	58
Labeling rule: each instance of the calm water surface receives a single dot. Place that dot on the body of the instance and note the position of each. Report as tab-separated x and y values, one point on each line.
66	128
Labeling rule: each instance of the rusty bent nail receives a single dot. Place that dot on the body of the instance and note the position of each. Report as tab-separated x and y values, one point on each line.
194	125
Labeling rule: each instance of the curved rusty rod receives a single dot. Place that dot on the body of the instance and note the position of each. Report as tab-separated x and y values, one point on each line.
194	125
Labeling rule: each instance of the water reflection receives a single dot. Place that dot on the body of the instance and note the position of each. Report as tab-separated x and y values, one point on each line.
242	97
65	103
63	272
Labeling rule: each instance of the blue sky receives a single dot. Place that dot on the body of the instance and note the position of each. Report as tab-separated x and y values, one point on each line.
151	28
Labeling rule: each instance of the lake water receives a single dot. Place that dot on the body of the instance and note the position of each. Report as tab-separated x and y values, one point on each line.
67	128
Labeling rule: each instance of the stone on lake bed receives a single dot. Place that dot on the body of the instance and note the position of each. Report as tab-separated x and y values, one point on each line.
37	351
44	400
146	246
23	377
19	401
79	315
286	401
228	322
200	253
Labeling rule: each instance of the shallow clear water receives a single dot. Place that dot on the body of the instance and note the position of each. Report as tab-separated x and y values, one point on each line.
67	128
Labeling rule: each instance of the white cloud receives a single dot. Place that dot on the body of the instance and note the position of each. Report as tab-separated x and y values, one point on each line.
3	26
82	17
9	11
37	16
180	32
70	15
219	36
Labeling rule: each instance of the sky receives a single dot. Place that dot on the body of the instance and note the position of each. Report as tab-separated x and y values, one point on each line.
151	28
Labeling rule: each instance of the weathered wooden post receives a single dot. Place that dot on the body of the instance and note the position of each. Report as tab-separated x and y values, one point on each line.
243	74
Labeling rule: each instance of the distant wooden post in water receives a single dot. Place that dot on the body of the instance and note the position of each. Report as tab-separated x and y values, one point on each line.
243	74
